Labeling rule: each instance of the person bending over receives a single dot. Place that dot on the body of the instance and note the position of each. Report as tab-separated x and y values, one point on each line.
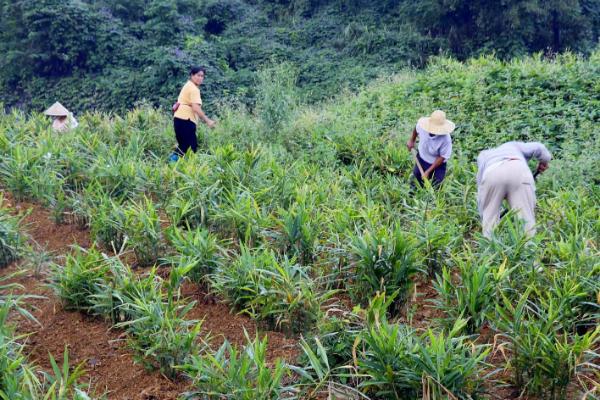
435	147
503	173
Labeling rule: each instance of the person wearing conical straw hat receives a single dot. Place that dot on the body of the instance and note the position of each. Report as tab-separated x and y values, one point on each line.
435	147
63	120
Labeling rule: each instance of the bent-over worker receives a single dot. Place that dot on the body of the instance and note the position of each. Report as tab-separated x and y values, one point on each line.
435	147
503	173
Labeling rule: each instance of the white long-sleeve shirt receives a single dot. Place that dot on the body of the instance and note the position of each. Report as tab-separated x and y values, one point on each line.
510	151
433	146
67	124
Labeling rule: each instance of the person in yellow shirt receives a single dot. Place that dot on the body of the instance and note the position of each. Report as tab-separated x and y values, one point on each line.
188	110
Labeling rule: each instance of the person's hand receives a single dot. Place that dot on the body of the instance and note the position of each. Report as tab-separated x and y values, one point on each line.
410	144
426	174
210	123
542	166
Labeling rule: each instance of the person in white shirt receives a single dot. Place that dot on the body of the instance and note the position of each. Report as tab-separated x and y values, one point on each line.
503	173
435	147
63	119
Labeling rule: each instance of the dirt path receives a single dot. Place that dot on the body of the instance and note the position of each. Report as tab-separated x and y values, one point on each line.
109	363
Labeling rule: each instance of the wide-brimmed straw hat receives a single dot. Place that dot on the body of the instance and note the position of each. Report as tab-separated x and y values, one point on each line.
57	110
437	123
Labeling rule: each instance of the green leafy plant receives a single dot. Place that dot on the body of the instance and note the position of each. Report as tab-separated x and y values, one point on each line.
160	335
244	375
385	261
198	247
17	378
544	357
107	226
472	294
397	363
120	290
144	232
79	279
12	241
279	292
63	381
299	234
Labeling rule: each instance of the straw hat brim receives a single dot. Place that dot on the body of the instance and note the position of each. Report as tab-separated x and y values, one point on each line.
57	110
445	129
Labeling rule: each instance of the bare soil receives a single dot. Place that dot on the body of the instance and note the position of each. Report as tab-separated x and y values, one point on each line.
92	341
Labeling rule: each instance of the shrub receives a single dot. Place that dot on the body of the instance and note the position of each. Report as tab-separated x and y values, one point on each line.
12	241
198	247
544	357
276	98
144	233
386	262
279	292
78	281
243	375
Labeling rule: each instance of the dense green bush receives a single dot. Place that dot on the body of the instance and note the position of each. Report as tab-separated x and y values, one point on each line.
198	248
110	55
79	279
241	374
386	262
277	291
12	240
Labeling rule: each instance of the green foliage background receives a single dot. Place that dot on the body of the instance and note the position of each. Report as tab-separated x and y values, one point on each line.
111	55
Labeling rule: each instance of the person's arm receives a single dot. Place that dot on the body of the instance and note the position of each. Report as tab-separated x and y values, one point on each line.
444	154
411	142
198	111
538	151
438	161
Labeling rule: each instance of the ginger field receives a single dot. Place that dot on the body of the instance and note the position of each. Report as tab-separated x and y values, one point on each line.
290	257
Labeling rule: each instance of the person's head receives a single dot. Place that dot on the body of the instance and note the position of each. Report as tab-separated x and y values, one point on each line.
197	75
60	118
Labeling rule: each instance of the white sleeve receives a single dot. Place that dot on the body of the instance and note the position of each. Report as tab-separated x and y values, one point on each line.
534	150
74	123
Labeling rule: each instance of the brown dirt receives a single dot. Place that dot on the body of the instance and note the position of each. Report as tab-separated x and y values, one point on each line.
109	363
223	324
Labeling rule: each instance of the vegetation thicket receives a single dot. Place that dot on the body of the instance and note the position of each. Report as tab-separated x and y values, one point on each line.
112	55
291	212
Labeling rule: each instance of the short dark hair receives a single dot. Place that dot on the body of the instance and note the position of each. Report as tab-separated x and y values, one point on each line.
195	69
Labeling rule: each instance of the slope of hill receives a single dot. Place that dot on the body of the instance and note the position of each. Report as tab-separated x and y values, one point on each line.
111	55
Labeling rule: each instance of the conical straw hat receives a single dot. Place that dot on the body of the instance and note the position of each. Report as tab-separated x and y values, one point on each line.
57	110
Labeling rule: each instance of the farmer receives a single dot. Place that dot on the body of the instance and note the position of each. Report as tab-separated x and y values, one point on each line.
63	120
503	173
435	147
188	110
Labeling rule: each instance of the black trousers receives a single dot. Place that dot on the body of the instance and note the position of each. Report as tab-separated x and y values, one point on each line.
185	132
436	176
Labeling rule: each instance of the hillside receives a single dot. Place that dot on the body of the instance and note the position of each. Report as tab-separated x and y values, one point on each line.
301	220
112	55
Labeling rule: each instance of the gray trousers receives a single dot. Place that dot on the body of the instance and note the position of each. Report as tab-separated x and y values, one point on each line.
511	180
